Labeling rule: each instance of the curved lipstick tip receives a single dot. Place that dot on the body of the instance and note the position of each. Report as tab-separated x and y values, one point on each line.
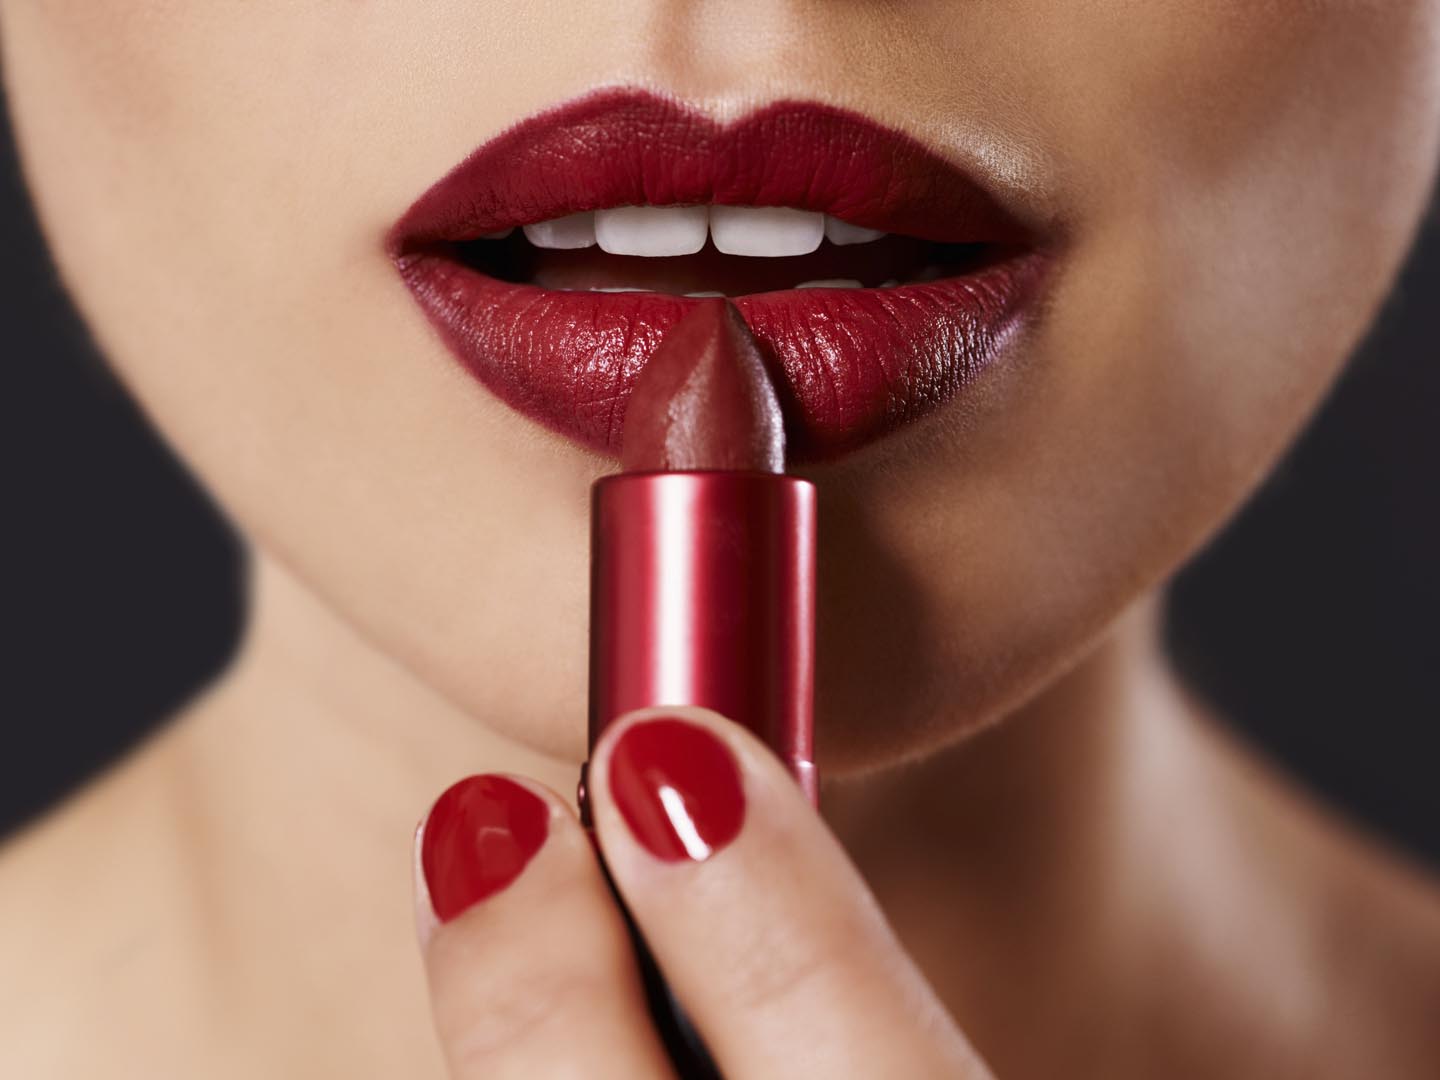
704	400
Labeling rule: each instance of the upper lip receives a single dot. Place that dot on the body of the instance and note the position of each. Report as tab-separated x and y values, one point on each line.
629	148
849	366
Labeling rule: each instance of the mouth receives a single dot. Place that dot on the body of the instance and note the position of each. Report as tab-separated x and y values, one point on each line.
879	279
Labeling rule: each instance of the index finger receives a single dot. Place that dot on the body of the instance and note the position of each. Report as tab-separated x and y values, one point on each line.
764	930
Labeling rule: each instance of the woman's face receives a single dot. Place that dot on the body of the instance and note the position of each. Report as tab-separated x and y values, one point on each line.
1227	188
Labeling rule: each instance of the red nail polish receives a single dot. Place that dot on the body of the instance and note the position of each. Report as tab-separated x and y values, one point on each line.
678	788
478	837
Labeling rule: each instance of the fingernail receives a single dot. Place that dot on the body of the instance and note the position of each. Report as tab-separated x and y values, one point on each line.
678	789
478	837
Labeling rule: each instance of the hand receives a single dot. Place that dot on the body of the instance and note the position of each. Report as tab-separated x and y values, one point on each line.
764	930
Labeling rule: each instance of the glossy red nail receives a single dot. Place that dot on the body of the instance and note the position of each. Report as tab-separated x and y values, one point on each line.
477	840
678	788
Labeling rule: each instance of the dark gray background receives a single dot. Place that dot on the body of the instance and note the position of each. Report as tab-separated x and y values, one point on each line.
1312	621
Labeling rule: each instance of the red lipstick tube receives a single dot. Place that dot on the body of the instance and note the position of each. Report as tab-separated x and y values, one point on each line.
702	572
702	592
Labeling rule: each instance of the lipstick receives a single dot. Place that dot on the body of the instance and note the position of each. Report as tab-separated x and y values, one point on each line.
702	573
702	588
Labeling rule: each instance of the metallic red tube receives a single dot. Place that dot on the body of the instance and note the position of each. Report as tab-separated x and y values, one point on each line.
702	592
702	573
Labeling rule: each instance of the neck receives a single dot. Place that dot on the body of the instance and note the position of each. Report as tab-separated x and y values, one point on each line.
300	781
311	697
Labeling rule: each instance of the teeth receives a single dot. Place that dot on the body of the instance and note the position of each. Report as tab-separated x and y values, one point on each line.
842	232
667	231
568	232
499	234
654	231
765	231
890	284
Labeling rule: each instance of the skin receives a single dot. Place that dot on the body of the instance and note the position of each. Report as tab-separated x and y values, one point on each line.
1098	885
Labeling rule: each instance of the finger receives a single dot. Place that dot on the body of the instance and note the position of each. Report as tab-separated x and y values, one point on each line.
764	930
530	966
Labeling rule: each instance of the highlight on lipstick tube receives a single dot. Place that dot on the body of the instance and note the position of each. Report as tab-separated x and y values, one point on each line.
703	593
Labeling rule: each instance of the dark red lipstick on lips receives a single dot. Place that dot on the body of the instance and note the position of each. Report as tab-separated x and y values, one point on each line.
703	551
905	298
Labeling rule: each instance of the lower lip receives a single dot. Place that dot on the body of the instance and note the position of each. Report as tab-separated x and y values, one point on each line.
851	364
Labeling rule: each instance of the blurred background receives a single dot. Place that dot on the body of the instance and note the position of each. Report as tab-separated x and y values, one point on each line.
1313	621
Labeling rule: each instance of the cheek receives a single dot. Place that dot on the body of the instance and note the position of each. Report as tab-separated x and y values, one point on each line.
1246	184
215	185
121	62
1249	216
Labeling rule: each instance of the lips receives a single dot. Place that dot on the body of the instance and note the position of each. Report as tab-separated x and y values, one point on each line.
850	363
